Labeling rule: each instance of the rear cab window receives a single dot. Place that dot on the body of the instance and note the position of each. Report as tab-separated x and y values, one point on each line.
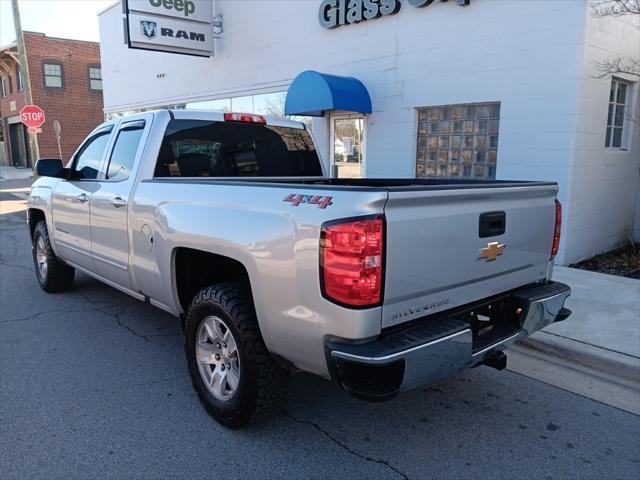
202	148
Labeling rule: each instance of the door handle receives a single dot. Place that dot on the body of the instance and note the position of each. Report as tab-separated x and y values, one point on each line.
118	202
83	198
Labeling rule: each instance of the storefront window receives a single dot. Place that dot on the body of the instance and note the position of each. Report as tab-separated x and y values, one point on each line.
220	105
270	104
458	141
266	104
243	104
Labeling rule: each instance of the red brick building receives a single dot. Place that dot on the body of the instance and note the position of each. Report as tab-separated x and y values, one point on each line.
66	82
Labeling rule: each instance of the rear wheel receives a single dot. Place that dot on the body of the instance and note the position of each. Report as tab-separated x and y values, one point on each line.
234	375
53	275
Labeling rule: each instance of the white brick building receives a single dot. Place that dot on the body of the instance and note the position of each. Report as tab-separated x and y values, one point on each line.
518	79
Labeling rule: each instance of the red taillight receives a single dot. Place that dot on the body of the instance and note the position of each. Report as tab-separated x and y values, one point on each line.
244	118
556	233
351	257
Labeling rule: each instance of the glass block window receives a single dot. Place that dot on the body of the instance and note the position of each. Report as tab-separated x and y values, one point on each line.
458	141
52	75
615	119
95	78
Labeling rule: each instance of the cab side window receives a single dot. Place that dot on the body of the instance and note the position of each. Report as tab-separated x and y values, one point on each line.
87	161
124	151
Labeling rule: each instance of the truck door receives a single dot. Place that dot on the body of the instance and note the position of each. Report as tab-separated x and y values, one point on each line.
110	232
71	200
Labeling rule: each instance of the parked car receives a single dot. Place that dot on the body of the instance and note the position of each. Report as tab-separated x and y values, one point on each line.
227	221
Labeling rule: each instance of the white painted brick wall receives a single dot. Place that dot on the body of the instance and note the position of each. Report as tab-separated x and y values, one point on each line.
603	193
531	55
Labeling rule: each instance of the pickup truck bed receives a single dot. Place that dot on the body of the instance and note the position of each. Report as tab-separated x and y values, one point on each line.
429	223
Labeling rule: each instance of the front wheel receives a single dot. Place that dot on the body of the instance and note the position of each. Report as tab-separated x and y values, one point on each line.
53	275
234	375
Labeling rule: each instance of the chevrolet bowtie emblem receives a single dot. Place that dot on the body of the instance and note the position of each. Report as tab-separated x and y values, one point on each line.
492	251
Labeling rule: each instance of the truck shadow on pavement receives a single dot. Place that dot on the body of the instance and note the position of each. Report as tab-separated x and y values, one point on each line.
107	390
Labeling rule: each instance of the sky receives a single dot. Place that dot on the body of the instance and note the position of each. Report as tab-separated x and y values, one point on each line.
75	19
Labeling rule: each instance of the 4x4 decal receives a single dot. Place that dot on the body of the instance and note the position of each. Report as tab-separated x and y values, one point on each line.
321	200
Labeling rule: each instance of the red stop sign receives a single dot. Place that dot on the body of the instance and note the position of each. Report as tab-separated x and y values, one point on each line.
32	116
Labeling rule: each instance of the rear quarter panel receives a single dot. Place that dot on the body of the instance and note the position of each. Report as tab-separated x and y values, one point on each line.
278	244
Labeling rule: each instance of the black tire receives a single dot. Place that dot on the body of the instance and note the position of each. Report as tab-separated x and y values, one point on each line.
57	276
262	383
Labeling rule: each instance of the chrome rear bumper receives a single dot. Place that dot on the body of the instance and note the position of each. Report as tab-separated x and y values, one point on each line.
438	347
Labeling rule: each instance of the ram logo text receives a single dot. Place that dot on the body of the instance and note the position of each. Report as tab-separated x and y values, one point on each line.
150	30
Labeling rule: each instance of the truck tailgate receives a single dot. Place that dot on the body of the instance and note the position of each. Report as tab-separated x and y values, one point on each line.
437	258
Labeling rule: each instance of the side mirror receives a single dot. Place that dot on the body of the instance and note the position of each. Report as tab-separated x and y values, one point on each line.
50	167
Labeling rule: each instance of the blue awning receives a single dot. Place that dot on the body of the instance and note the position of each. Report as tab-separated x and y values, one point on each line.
313	93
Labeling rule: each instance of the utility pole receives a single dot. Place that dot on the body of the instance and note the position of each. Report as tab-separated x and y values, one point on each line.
34	152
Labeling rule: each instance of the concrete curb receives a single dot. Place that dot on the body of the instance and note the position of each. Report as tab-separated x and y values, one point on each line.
9	179
601	360
13	173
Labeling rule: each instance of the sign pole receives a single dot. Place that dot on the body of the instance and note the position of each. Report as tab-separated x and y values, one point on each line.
34	152
57	129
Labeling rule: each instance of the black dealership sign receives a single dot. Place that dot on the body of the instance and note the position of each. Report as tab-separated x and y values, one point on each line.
336	13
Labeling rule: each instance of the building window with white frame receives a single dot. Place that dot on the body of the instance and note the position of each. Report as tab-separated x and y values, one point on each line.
458	141
95	78
53	75
3	87
617	109
19	79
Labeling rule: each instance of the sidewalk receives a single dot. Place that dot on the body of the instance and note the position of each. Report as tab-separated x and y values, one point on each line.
606	311
603	333
13	173
594	353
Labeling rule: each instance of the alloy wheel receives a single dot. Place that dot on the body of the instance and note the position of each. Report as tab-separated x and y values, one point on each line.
218	358
41	257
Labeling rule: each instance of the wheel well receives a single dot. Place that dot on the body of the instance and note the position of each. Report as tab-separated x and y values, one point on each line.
196	270
35	217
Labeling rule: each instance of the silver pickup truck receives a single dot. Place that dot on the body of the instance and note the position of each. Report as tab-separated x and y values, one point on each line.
228	222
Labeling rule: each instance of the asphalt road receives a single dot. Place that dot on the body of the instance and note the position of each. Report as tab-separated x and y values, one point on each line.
93	384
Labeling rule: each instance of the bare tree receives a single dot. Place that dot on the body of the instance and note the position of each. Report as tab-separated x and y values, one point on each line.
617	8
275	106
619	65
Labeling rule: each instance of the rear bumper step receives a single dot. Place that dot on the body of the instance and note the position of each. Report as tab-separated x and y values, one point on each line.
435	348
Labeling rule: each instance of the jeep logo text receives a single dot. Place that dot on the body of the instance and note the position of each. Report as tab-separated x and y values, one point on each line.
186	6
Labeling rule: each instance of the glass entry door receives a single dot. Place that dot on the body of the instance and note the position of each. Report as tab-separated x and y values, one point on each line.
347	134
